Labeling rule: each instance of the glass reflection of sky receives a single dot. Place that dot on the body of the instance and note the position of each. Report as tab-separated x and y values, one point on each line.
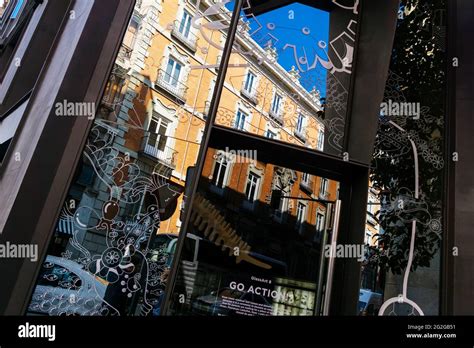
301	26
16	10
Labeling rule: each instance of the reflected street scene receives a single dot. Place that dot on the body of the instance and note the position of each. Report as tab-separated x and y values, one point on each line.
256	240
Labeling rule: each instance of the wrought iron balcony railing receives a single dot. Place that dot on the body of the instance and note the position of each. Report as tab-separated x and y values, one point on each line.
164	154
124	55
250	95
171	85
189	38
324	195
308	185
300	135
277	116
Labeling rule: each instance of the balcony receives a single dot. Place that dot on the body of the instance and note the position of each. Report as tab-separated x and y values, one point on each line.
190	40
249	205
165	154
276	116
307	185
324	195
300	135
207	107
218	62
169	84
124	56
250	95
371	219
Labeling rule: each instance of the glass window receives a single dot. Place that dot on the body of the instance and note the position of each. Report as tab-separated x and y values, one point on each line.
305	178
300	123
282	207
241	119
113	92
185	25
153	14
173	72
324	187
320	145
251	191
7	133
130	161
249	83
319	222
221	171
131	34
158	129
300	215
277	252
302	61
135	182
276	104
281	211
319	227
200	135
270	134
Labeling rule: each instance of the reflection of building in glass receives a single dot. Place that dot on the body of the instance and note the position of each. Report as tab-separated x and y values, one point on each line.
371	275
148	131
372	226
260	226
159	94
127	191
267	190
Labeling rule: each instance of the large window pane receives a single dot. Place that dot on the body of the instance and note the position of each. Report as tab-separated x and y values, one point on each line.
257	246
301	57
114	241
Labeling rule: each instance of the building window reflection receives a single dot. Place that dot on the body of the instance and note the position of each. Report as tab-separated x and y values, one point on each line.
251	191
241	120
221	171
185	25
173	72
270	134
323	190
276	105
320	145
300	216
